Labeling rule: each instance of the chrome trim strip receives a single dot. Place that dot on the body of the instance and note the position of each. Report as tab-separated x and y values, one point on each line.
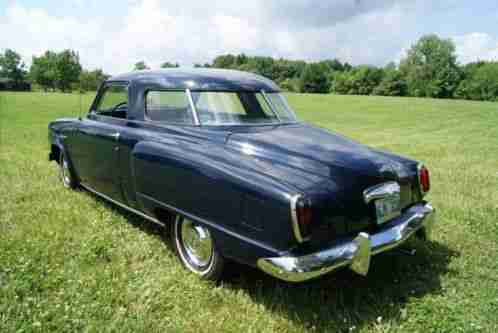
178	211
192	106
380	191
217	227
88	188
271	105
166	125
354	253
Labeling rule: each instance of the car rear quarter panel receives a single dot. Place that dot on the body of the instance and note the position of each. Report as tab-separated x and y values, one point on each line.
249	212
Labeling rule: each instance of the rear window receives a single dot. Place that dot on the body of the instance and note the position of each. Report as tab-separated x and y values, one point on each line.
168	107
232	108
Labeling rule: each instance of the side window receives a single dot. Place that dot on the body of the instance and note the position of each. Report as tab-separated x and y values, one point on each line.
114	102
169	107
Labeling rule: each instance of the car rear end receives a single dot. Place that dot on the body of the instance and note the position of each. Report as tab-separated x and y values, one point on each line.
369	215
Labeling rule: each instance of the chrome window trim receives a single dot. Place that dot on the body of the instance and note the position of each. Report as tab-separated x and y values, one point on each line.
101	90
287	106
272	107
163	124
277	123
189	99
192	106
196	123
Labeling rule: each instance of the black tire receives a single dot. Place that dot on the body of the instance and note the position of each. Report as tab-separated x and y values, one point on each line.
196	249
66	174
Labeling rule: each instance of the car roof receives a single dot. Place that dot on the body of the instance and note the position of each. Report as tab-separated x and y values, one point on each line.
207	79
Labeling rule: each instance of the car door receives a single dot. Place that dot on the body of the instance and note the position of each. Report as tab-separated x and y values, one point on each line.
95	145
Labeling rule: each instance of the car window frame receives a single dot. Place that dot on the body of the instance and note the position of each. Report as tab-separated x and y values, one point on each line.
264	94
101	92
193	111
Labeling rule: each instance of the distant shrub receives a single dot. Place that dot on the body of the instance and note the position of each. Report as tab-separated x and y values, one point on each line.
314	79
480	82
7	84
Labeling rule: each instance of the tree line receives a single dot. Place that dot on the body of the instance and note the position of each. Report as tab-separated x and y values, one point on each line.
429	69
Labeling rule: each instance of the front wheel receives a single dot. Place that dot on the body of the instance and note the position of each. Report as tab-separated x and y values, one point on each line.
195	247
66	175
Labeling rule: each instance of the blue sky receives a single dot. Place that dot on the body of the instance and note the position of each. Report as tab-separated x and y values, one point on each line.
115	34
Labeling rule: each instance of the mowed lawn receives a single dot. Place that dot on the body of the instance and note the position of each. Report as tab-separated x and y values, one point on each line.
71	262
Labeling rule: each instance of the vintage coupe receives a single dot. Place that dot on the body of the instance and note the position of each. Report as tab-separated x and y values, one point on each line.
220	157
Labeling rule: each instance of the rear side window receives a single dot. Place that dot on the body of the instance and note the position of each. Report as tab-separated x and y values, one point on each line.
168	107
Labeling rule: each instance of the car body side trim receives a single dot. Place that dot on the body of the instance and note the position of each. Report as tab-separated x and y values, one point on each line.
178	211
145	216
210	224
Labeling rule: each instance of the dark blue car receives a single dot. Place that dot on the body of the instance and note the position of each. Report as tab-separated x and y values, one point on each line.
220	157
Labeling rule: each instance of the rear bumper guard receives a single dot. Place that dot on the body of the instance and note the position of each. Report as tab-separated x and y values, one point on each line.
354	253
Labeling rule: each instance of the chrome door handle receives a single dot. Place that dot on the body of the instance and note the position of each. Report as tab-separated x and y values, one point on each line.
115	136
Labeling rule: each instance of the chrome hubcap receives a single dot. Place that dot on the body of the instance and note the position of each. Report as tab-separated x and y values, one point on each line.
197	243
66	176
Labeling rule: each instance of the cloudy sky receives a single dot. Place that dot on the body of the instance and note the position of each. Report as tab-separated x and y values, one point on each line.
114	34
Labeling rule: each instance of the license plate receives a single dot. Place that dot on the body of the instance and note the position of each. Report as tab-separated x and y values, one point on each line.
387	208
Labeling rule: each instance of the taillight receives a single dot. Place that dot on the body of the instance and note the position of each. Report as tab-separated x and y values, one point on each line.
301	217
424	179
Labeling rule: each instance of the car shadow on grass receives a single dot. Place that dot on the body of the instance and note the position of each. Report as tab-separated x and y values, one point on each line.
344	301
340	301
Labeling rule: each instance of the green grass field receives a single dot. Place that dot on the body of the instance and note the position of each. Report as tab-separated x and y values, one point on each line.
71	262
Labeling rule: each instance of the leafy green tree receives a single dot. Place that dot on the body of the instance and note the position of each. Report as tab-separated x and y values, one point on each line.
291	85
140	66
430	68
43	70
334	65
287	70
263	66
361	80
480	83
240	59
168	64
56	70
68	69
314	79
224	61
12	67
341	83
91	80
392	84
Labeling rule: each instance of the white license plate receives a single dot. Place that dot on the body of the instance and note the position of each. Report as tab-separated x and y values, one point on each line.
387	208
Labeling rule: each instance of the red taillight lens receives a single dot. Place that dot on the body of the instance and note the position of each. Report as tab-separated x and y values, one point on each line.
304	216
424	179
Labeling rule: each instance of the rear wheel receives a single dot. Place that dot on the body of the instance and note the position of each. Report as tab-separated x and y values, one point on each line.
195	247
66	175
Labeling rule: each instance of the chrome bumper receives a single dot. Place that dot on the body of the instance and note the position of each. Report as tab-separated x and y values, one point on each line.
354	253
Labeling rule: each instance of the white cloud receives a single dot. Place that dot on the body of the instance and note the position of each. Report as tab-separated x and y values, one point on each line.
33	31
476	46
357	31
